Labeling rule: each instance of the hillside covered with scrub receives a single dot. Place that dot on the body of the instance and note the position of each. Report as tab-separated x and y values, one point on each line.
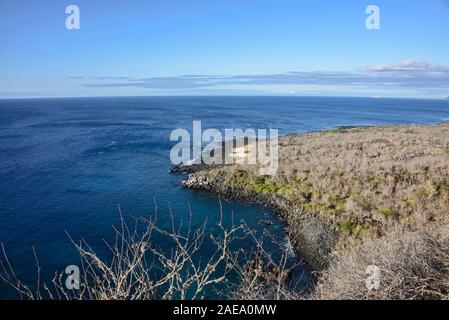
354	197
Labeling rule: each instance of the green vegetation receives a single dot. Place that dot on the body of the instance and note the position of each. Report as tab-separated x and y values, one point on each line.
344	129
347	226
443	185
387	212
262	184
352	228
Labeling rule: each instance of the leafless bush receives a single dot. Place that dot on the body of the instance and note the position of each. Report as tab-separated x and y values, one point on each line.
413	265
263	278
139	269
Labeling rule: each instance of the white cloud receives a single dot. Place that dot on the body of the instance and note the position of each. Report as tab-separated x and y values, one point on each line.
408	65
409	74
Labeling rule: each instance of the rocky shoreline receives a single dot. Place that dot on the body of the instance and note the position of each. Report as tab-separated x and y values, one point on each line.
314	240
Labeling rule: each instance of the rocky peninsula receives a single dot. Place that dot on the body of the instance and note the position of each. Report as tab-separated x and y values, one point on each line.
340	189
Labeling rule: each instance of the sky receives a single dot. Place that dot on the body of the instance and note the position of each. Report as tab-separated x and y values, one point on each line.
224	47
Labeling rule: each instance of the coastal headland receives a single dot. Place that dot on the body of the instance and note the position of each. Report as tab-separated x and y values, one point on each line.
337	190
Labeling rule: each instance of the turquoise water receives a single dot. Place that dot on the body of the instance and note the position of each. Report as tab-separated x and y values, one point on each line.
65	164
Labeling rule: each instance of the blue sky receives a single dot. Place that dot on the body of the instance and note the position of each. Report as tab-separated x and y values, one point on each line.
221	47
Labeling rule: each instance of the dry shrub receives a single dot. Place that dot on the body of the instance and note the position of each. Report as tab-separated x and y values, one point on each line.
261	278
413	265
138	269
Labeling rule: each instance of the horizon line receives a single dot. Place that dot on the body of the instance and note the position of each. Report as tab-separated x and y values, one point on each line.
230	95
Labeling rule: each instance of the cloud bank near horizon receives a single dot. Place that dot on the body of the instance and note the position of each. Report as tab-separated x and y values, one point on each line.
408	75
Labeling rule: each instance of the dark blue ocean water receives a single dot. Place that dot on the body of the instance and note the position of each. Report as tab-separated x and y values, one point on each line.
65	164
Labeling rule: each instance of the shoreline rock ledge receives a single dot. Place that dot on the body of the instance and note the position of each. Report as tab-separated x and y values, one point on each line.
312	239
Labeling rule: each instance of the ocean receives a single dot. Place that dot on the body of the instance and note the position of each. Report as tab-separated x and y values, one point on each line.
66	164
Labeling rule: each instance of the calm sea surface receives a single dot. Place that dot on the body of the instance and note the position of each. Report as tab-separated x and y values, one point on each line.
66	164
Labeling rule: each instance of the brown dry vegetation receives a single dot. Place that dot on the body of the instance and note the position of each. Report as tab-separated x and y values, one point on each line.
377	188
362	180
412	265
